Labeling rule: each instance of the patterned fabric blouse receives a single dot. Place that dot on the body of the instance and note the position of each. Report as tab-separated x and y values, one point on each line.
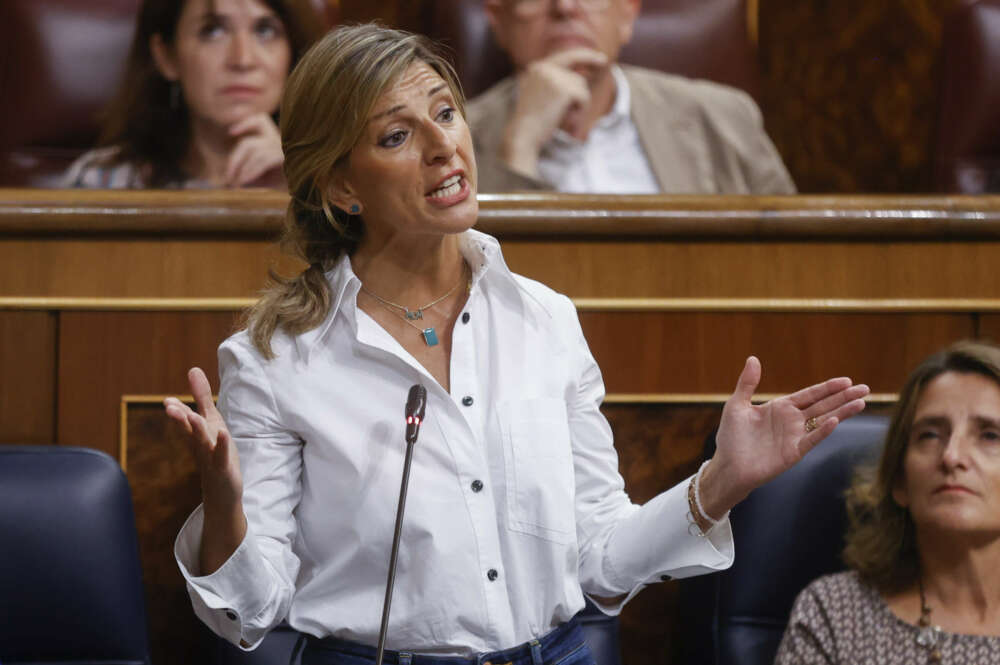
98	169
839	620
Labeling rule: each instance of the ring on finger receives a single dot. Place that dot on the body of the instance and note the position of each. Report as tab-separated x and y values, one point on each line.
812	424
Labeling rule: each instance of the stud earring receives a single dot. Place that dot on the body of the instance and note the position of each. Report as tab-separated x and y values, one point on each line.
355	209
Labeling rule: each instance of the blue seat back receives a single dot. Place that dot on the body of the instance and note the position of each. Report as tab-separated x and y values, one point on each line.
70	577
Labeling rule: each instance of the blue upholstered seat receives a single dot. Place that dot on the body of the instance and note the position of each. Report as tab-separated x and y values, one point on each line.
70	577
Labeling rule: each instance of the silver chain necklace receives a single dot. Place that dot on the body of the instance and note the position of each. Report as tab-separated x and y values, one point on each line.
411	315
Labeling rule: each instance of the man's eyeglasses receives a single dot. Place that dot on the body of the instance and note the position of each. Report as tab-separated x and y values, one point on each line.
532	8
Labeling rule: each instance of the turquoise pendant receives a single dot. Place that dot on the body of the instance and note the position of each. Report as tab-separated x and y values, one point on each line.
430	336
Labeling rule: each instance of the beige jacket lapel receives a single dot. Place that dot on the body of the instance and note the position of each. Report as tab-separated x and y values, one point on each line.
669	136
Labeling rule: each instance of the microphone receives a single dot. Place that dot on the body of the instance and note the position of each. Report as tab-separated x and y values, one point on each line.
416	404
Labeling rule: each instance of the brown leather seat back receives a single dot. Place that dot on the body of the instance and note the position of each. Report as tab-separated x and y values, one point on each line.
697	38
967	150
62	63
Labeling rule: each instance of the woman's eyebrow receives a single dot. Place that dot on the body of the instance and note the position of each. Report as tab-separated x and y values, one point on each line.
932	420
986	422
395	109
399	107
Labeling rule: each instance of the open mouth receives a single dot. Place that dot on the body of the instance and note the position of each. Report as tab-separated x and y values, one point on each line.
450	187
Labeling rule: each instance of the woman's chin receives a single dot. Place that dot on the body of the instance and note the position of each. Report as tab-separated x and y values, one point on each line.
458	216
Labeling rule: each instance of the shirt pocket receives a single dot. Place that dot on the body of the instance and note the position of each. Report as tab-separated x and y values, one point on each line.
538	462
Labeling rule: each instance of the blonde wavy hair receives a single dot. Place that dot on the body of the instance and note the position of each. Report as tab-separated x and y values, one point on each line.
327	100
881	538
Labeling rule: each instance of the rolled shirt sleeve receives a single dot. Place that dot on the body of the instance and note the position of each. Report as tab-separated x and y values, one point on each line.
252	591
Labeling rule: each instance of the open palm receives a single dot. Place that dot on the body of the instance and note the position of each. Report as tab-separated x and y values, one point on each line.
755	443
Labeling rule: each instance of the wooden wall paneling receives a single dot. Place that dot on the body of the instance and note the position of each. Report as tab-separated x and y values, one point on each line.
989	327
123	268
591	269
609	268
27	377
849	88
104	355
210	244
699	352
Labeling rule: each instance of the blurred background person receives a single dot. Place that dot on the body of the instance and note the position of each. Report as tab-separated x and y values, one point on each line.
197	103
573	120
924	535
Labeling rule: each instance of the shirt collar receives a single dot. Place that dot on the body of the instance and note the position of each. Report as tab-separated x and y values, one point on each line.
623	96
481	252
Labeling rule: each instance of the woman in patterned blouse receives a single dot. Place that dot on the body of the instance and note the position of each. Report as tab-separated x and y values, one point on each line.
924	540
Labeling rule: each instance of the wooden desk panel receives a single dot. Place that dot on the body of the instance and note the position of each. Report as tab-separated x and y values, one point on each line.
989	327
668	268
104	355
703	352
27	377
219	244
108	267
675	291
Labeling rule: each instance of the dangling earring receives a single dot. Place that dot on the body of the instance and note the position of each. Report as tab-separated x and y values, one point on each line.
175	95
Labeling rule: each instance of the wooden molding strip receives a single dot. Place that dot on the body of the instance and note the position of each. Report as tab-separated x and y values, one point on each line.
225	213
128	304
753	22
790	305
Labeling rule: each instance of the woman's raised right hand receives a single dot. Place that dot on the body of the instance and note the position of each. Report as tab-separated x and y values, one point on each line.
219	466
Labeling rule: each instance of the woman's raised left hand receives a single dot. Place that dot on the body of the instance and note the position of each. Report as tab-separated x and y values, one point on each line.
755	443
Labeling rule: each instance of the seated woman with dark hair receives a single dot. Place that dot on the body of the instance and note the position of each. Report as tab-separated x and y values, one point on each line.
924	540
197	105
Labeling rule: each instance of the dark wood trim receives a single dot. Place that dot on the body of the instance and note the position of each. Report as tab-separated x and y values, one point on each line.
37	212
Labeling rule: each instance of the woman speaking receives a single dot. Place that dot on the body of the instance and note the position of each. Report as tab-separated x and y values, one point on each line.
516	508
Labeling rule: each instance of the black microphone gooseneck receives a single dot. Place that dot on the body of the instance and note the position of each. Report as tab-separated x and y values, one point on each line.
416	404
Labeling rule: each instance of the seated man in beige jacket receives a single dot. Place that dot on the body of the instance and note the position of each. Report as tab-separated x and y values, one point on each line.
573	120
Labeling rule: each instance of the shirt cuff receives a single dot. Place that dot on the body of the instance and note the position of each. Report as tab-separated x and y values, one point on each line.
230	598
655	544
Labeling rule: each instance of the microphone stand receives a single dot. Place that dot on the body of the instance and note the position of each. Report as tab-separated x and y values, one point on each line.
415	406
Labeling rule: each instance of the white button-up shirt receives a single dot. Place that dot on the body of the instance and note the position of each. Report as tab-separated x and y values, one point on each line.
515	505
611	159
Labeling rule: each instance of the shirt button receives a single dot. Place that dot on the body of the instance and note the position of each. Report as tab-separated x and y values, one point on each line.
467	400
477	485
492	574
465	317
231	615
